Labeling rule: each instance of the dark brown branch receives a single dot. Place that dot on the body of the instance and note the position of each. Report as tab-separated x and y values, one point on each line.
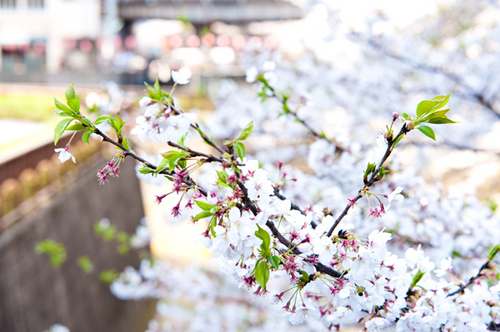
293	205
105	138
372	180
248	202
250	205
479	274
209	157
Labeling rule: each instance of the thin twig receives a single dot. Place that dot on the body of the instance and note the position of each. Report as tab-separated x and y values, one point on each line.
338	149
371	181
196	126
479	274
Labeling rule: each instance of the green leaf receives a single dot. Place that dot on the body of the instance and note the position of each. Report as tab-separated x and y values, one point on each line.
239	148
406	116
70	93
493	252
275	261
87	122
123	248
62	107
85	136
441	120
74	104
108	232
109	276
370	168
171	159
427	131
442	99
305	277
264	236
125	143
204	205
416	278
60	129
426	106
55	251
102	119
262	274
85	264
245	132
157	87
60	113
286	109
181	140
77	127
203	214
146	170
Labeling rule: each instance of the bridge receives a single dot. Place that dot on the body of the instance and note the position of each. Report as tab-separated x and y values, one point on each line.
203	12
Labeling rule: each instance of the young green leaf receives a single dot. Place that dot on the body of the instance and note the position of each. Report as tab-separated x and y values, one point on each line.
245	132
77	127
125	143
262	274
85	136
275	261
70	93
264	236
369	169
85	264
74	104
416	278
426	106
493	252
203	214
441	120
102	119
62	107
239	148
60	129
109	276
55	251
204	205
427	131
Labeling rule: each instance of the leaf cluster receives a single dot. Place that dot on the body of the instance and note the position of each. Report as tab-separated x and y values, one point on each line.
55	251
429	111
262	267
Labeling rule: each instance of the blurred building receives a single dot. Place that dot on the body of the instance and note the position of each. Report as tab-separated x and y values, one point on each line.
36	35
129	41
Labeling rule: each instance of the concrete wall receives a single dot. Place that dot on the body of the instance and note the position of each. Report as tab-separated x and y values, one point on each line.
34	295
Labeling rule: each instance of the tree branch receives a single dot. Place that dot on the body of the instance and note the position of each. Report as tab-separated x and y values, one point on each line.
372	180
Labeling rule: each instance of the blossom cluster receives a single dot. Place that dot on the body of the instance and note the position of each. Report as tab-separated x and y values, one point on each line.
391	261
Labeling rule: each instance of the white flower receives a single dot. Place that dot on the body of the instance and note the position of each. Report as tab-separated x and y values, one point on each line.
301	314
381	141
251	74
178	126
58	328
179	78
395	196
144	102
64	155
269	65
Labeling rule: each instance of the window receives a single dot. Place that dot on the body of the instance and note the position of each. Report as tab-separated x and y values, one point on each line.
8	3
35	3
